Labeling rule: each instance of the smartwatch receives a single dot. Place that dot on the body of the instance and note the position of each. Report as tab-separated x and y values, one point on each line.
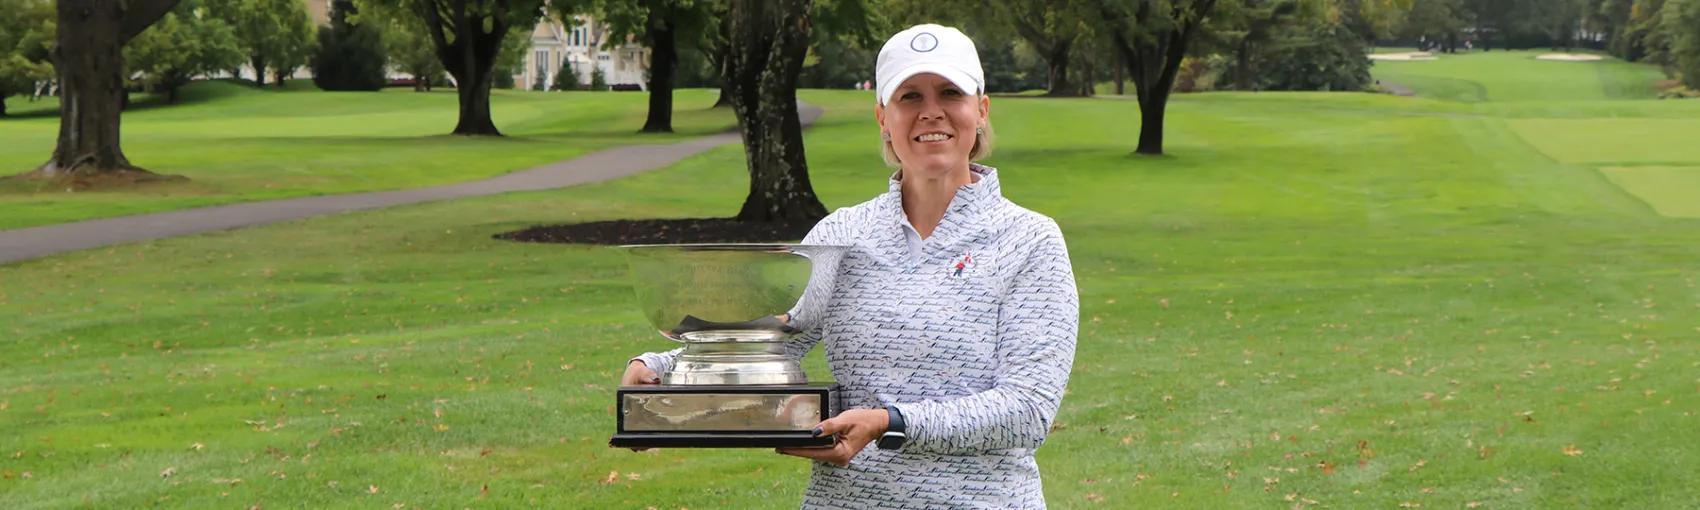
895	434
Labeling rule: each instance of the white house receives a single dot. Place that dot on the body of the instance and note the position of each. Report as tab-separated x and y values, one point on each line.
556	47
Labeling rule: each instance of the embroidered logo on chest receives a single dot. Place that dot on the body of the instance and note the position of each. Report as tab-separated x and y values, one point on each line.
960	266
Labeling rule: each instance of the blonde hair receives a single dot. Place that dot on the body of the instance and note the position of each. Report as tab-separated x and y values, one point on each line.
982	147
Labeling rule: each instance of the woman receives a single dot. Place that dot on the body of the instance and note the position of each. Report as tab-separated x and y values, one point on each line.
953	328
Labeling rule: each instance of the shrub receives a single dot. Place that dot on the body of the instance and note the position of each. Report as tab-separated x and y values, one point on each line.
350	57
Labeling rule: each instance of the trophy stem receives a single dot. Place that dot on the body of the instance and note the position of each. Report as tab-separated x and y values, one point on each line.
734	363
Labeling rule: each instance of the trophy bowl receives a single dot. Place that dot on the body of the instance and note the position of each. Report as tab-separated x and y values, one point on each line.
733	384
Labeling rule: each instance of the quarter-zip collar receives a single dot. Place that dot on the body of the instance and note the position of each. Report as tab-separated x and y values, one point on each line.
963	219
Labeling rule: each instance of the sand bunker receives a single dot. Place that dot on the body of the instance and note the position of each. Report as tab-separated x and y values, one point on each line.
1414	55
1567	56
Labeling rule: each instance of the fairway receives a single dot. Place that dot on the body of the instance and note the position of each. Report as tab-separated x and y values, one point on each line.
238	144
1519	76
1344	300
1670	190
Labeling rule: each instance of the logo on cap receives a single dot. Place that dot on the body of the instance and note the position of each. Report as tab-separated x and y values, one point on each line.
924	42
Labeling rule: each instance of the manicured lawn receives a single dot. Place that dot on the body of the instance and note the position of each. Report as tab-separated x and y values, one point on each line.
1670	190
1517	76
239	145
1353	300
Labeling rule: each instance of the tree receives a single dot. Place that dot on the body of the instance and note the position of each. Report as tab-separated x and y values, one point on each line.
1681	27
510	59
180	46
1437	20
1642	37
1370	20
1250	25
1320	55
26	37
88	59
768	41
598	78
351	56
1049	26
273	33
1152	38
469	36
566	78
407	44
661	25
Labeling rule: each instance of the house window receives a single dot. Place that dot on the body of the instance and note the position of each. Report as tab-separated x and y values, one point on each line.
542	64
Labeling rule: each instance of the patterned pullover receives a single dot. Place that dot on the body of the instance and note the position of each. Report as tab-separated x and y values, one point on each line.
969	333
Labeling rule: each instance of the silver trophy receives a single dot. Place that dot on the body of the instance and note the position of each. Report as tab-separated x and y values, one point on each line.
733	385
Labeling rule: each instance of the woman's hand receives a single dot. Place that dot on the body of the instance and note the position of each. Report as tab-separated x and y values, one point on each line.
855	428
639	374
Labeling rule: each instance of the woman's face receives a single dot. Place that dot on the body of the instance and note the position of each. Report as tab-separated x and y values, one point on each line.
932	124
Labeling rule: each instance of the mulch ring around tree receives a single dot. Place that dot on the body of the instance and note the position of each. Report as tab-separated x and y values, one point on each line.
662	231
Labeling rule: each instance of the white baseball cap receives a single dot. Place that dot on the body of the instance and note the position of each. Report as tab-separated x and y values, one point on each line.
929	48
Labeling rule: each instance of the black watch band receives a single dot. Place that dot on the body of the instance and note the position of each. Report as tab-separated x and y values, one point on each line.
896	432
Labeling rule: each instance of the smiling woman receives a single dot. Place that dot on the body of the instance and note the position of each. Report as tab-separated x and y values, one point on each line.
952	327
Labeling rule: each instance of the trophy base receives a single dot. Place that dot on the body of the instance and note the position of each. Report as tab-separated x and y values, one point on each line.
724	416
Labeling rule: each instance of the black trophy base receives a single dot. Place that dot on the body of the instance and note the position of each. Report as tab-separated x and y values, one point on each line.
729	416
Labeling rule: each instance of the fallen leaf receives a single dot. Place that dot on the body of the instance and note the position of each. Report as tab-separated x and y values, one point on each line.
1095	497
1472	504
371	489
1572	451
613	476
168	472
1126	440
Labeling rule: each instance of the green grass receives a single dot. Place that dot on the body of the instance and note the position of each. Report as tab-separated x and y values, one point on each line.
1354	299
237	144
1670	190
1517	76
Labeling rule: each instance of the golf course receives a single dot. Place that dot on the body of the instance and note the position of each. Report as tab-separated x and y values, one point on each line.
1482	295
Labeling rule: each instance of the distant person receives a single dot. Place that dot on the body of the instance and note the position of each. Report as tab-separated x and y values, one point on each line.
954	320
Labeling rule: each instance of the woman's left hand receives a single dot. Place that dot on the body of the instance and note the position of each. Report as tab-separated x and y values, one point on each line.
855	428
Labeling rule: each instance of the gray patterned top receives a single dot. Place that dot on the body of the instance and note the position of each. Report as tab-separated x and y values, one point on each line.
972	339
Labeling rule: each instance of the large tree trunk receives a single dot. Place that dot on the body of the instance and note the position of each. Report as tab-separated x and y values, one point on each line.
1057	60
470	60
1151	112
1088	72
2	106
89	61
1121	76
769	39
1154	62
663	58
475	105
259	65
725	99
